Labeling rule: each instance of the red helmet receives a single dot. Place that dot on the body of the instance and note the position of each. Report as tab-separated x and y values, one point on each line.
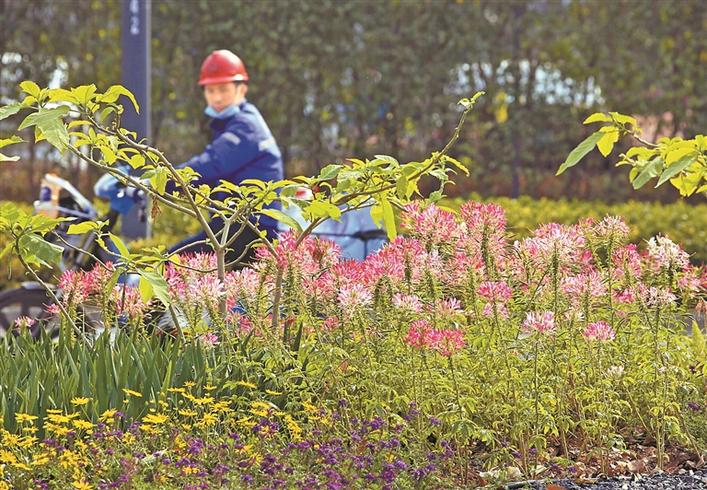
222	66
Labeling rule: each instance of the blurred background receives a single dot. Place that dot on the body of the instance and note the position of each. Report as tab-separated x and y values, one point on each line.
337	79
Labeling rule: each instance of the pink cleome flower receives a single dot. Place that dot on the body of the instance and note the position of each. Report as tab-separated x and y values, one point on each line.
128	300
539	321
330	323
627	260
73	286
408	302
550	239
664	254
601	331
97	278
582	286
446	342
495	291
478	215
354	296
612	227
431	224
501	311
209	339
24	322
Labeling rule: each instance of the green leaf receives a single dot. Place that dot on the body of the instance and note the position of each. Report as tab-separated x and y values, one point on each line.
9	110
159	180
597	117
137	161
377	214
675	155
388	219
640	152
84	94
49	122
109	155
456	163
12	140
35	249
159	286
146	290
283	218
387	159
115	91
31	88
651	170
401	186
254	182
623	119
329	172
319	209
81	228
676	168
580	151
607	141
124	252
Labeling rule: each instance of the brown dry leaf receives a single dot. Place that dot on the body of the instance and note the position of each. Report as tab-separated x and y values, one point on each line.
553	486
155	211
636	466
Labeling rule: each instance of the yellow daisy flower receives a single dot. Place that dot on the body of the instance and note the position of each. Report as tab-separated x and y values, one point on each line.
24	417
130	392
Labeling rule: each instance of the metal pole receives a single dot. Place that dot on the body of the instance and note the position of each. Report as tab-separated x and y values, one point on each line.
135	68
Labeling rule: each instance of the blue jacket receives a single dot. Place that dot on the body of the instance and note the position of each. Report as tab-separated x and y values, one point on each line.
242	147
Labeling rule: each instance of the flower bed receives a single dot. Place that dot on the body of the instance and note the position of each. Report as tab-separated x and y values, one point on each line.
451	358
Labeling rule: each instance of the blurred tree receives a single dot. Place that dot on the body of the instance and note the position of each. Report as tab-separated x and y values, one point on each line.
341	79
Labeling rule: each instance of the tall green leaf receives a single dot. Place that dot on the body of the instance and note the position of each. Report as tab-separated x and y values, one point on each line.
580	151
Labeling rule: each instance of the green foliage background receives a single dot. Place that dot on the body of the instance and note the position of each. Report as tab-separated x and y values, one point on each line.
341	79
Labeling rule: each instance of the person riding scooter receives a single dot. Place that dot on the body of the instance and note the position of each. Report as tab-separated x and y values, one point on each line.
242	147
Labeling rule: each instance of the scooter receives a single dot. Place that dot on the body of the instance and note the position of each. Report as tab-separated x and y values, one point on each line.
59	198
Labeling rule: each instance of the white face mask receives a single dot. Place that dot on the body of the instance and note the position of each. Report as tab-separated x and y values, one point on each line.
229	111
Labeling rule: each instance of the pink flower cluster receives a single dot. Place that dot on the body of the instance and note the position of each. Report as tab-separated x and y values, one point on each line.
612	227
567	243
664	253
407	302
353	297
431	224
73	288
127	300
495	291
446	342
600	331
584	286
540	322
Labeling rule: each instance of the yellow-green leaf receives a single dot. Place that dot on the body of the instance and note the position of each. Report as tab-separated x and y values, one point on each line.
31	88
675	155
82	228
580	151
607	141
597	117
388	219
115	91
623	119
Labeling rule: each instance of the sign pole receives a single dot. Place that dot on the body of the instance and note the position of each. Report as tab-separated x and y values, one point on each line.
135	73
